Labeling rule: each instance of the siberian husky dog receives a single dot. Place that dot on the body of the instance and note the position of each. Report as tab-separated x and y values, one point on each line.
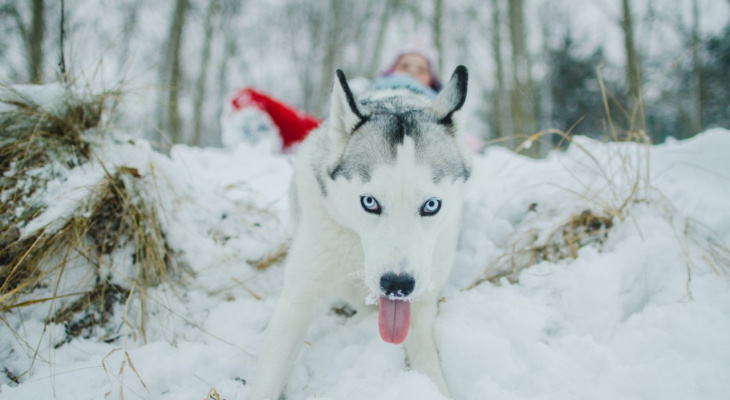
377	195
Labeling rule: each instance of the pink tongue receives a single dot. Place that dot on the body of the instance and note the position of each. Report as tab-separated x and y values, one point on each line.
394	319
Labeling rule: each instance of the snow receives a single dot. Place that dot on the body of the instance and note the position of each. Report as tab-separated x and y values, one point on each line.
640	315
63	197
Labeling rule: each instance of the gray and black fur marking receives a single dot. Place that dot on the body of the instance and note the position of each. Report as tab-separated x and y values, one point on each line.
388	120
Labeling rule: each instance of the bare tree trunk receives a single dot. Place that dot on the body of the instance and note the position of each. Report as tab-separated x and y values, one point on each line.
390	7
438	9
202	78
696	125
131	16
35	42
499	96
11	10
333	45
229	10
62	63
545	86
633	69
174	69
308	59
357	20
523	98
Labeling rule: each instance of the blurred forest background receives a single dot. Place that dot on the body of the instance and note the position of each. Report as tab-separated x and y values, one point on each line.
664	65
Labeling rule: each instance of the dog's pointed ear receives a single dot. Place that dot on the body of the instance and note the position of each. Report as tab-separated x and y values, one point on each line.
452	97
345	113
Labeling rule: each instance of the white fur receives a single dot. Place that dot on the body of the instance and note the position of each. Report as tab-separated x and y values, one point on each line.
340	251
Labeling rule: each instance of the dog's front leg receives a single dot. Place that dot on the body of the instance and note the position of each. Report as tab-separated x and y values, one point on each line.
284	337
420	345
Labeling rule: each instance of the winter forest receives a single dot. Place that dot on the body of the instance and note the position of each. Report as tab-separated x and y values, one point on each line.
536	64
143	253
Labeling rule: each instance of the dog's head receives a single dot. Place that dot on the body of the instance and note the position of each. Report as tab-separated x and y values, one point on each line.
396	174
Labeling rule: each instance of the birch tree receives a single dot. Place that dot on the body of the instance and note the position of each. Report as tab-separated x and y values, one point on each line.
523	98
32	35
389	9
500	93
130	15
633	69
696	120
200	87
332	50
35	41
438	11
173	70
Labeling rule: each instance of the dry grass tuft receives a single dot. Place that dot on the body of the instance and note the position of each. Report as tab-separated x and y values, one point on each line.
607	197
115	227
119	215
36	144
272	258
581	230
563	243
34	136
213	395
100	235
94	308
607	202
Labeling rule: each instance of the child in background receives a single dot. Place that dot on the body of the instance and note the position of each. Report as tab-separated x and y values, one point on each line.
412	69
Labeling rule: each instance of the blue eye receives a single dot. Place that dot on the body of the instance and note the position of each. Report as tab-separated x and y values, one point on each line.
370	205
431	207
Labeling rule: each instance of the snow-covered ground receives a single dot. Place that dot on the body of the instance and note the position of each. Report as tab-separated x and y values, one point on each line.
643	313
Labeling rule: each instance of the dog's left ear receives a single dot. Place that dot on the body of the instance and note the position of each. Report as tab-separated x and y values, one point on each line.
345	113
452	98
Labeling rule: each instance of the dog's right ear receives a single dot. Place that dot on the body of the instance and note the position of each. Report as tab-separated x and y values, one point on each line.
345	114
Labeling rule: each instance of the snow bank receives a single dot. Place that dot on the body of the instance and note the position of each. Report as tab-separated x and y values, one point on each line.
639	315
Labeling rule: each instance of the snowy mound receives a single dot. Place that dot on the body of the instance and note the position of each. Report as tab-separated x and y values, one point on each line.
596	273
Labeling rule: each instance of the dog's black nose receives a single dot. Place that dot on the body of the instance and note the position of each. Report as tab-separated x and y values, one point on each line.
397	285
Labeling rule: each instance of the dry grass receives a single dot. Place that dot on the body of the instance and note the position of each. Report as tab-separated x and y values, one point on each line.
33	137
274	257
562	243
213	395
36	144
608	198
116	226
100	235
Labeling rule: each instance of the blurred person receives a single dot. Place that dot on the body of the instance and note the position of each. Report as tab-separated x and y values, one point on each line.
413	69
252	114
